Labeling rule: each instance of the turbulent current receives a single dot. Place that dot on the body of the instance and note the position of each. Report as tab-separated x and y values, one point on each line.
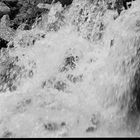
76	81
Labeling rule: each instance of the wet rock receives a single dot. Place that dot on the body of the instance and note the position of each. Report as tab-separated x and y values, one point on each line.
69	63
60	86
7	134
63	124
54	126
95	120
3	43
51	126
74	79
23	105
90	129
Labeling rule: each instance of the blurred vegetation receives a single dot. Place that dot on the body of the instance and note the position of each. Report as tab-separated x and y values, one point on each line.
26	11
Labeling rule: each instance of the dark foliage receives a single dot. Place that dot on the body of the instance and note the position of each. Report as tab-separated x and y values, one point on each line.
26	11
65	2
3	43
120	4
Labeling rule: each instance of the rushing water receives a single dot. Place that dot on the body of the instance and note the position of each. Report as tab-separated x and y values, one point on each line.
74	87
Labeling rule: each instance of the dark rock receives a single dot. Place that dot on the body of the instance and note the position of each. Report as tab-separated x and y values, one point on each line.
120	4
51	126
90	129
63	124
60	86
69	63
74	79
64	2
7	134
3	43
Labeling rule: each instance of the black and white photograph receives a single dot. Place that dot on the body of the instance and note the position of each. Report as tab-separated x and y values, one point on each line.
69	68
